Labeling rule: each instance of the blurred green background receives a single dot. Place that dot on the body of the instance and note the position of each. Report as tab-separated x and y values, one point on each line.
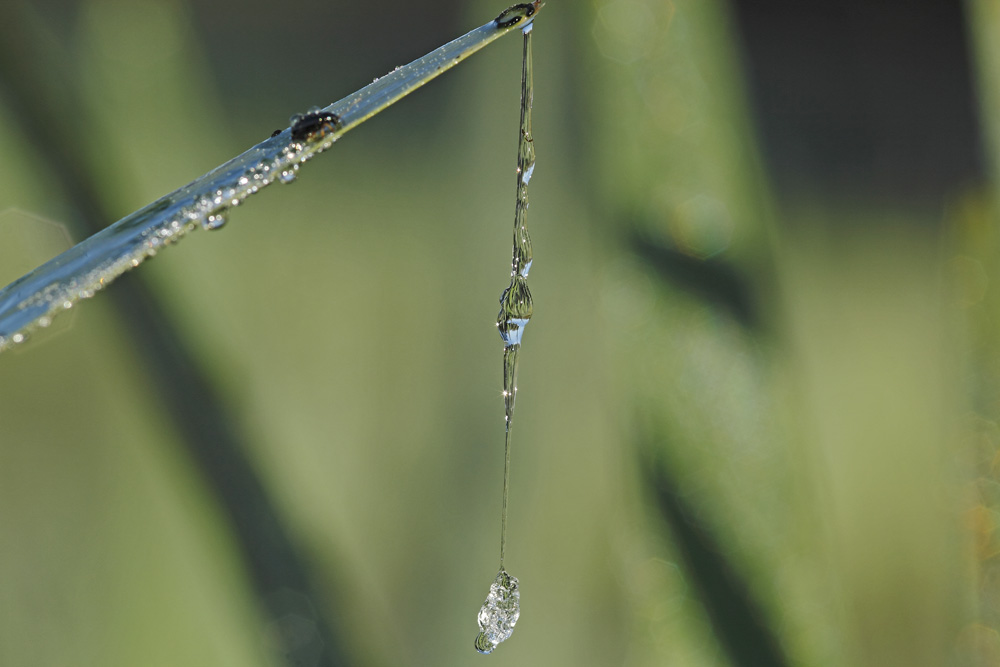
758	405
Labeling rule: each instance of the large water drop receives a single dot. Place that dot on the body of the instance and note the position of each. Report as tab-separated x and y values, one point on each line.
499	613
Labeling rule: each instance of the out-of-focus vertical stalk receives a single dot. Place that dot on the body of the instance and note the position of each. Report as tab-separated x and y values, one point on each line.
984	22
874	367
205	424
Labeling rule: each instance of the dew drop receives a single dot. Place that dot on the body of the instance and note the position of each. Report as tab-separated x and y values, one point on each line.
287	176
499	613
527	173
215	220
515	14
484	645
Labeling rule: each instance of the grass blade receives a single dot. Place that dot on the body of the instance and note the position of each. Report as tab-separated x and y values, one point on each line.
34	299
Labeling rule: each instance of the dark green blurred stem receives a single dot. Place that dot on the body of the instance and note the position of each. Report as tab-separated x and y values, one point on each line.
29	80
715	281
738	620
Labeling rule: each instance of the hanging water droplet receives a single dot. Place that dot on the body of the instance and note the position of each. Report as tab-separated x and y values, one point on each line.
499	613
502	607
515	310
215	220
287	176
483	644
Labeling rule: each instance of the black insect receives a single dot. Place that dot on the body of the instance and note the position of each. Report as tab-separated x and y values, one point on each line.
276	133
306	125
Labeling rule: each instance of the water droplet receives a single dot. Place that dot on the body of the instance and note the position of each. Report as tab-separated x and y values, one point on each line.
215	220
315	121
483	644
516	13
516	307
501	610
287	176
499	613
528	172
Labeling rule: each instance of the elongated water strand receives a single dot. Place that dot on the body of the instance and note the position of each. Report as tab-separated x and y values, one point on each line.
509	394
92	264
516	304
502	607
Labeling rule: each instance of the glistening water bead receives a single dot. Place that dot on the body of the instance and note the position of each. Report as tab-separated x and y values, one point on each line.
499	613
517	13
303	126
502	607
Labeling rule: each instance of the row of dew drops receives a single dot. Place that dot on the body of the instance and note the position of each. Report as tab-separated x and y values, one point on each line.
127	243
